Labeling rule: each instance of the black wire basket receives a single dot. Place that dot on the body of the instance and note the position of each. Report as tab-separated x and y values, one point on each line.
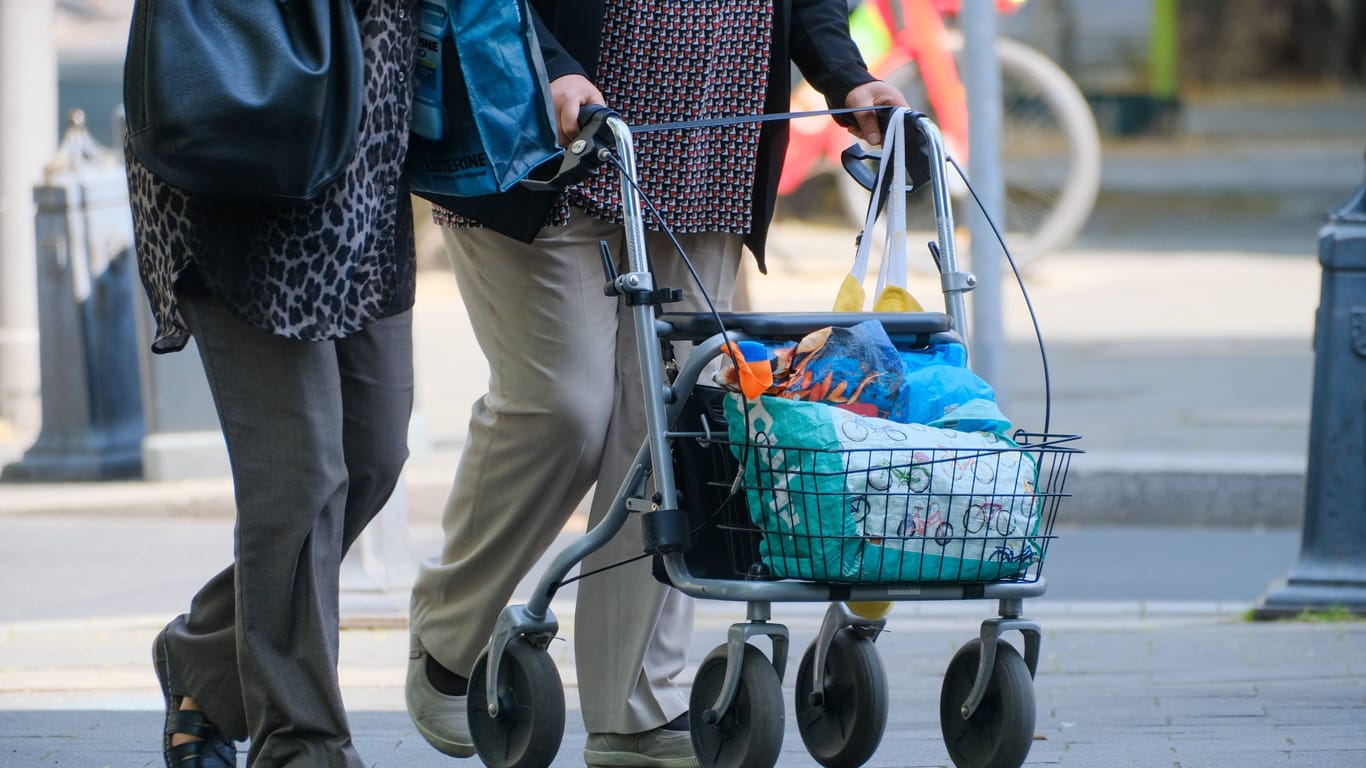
865	515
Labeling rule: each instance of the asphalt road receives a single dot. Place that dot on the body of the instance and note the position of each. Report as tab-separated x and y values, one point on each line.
87	567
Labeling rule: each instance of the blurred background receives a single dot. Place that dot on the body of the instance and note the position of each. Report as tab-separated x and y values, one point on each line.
1234	50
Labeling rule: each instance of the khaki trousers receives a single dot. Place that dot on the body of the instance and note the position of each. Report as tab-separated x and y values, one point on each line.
562	413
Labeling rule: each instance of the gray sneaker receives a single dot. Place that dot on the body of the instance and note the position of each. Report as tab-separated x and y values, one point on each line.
659	748
442	720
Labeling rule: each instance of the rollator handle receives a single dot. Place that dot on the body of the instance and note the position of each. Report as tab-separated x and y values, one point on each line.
584	155
854	159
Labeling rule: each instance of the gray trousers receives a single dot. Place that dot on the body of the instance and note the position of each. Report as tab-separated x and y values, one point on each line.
563	412
317	437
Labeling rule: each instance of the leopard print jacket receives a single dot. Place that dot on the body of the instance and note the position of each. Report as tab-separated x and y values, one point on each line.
314	271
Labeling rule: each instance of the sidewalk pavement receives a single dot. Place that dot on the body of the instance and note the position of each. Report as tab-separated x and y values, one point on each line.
1178	332
1170	686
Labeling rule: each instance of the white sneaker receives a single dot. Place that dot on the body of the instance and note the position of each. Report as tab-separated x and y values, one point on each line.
443	720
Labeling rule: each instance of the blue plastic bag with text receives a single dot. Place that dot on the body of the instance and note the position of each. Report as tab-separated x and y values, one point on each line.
482	112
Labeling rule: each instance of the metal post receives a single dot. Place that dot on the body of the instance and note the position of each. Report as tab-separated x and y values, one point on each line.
86	294
1331	571
982	80
28	137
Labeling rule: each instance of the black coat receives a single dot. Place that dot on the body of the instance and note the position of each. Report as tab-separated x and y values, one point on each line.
813	34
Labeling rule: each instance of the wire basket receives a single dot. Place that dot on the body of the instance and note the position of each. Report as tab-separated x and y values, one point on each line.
866	515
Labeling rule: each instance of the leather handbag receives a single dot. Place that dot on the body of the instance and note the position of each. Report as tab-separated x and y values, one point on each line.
482	113
255	99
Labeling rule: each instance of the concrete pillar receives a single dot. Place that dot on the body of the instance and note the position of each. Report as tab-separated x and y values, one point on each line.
28	137
1331	571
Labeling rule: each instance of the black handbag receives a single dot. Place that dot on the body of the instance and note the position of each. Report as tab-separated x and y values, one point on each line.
256	99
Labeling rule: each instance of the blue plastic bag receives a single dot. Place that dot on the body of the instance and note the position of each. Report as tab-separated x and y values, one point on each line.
482	112
857	368
937	381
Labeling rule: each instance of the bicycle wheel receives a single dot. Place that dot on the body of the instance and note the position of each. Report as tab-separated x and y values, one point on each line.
1050	157
1001	731
530	722
846	727
750	733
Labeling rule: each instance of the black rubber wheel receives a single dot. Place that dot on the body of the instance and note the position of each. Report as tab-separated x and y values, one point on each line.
1000	732
530	722
846	728
750	734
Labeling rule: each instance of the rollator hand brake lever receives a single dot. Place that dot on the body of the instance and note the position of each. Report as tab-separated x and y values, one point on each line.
609	270
584	155
917	161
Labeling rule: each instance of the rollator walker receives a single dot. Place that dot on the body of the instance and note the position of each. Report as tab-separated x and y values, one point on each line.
690	487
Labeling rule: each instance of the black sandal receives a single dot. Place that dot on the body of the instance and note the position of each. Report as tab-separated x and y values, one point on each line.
212	750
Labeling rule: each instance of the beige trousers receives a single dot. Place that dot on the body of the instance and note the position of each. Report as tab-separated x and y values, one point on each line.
562	413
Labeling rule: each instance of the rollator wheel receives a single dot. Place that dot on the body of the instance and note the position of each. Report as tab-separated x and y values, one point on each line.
750	733
530	722
845	728
1000	732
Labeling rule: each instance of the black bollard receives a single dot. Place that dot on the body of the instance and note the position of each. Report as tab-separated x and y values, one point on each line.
1330	574
88	297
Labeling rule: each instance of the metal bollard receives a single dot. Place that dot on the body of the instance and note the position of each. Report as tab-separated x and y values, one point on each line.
1330	574
91	407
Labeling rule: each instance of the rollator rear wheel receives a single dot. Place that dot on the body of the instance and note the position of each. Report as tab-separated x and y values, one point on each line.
845	727
750	733
1000	732
530	722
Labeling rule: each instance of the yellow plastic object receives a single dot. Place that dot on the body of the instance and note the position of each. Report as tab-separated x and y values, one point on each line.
870	609
894	298
850	296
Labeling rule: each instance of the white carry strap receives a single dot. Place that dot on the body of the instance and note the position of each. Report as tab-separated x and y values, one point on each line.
893	269
859	270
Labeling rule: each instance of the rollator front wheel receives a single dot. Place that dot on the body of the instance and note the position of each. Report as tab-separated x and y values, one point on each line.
844	727
530	722
750	732
1000	732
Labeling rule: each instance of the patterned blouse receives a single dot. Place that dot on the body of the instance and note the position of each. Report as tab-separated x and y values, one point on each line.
673	61
315	271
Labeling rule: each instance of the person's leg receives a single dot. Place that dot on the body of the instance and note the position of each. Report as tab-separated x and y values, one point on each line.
532	451
376	368
271	674
632	633
377	386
